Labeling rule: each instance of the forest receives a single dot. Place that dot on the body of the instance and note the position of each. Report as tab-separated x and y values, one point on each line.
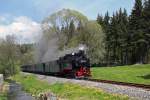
127	37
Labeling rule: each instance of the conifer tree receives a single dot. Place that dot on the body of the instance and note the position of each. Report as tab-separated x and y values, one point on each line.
100	20
146	28
136	33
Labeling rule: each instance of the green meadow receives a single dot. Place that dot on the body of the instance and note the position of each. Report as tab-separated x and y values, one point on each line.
133	74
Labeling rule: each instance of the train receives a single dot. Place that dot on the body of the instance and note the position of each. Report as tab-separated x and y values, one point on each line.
74	65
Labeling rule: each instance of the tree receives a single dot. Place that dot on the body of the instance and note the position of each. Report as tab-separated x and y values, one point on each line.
93	37
100	20
26	53
67	19
146	28
114	37
136	33
9	55
105	23
124	38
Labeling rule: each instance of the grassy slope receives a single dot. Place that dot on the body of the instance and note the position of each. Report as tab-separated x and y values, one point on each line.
3	96
68	90
132	74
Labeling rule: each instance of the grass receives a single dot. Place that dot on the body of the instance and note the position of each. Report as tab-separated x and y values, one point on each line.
68	91
132	74
3	96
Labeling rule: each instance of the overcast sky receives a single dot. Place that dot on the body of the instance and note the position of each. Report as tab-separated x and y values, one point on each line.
23	17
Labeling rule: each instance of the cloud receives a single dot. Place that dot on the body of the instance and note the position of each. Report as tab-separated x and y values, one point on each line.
24	28
2	18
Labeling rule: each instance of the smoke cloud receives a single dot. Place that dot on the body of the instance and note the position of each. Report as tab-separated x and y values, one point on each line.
47	49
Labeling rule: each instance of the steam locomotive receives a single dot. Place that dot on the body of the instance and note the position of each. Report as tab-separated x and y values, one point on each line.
75	65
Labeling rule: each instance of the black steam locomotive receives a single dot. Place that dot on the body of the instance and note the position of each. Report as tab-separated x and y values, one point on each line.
75	65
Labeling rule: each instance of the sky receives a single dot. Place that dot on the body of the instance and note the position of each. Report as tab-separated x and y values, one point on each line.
23	17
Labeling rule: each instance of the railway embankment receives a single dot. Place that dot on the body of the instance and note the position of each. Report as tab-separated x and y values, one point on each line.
132	92
63	88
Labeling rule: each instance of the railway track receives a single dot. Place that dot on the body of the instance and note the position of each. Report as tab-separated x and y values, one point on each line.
143	86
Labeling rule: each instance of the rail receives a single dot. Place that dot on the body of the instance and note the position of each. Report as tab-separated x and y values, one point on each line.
144	86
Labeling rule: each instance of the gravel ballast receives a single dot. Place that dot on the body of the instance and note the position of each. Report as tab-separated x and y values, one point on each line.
133	92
